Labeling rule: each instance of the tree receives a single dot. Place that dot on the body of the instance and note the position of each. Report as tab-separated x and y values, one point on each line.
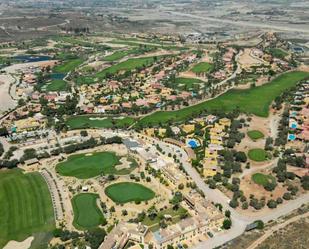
95	237
234	203
241	156
227	213
270	186
84	133
272	204
287	196
260	224
227	223
305	182
181	186
245	205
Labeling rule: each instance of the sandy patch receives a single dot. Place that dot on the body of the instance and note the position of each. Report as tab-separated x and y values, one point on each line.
6	102
19	245
125	164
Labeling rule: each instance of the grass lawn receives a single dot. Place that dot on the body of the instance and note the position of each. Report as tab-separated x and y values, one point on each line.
86	121
127	191
57	85
87	214
255	100
262	179
258	155
202	67
67	66
127	65
85	166
255	135
26	206
175	214
187	83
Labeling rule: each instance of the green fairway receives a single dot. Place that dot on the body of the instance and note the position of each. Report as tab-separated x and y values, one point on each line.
26	206
127	65
86	121
67	66
87	214
117	55
262	179
255	100
85	166
187	83
57	86
127	191
255	135
278	52
202	67
258	155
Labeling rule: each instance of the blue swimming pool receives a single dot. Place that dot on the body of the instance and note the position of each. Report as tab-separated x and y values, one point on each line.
291	137
293	126
193	143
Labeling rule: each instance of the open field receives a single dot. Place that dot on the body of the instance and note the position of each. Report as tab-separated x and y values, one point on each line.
263	179
279	53
26	206
85	121
258	155
68	66
86	212
85	166
127	191
255	135
202	67
117	55
248	101
129	64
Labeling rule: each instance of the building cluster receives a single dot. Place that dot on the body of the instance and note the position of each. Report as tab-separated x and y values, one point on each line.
299	116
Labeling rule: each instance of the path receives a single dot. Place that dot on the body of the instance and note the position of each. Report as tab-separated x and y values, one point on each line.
275	228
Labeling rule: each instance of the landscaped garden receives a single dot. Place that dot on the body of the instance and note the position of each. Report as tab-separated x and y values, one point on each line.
87	121
202	67
262	179
258	155
26	206
127	191
248	101
255	135
89	165
87	214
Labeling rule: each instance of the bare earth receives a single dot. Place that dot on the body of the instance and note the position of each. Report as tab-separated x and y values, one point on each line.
19	245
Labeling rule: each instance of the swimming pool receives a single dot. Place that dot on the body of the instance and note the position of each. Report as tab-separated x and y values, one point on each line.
193	143
293	125
291	137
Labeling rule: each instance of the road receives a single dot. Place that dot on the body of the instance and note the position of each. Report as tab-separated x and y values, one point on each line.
267	26
273	229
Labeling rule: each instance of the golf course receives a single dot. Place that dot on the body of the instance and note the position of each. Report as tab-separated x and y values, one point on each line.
84	166
87	214
247	101
86	121
26	206
127	191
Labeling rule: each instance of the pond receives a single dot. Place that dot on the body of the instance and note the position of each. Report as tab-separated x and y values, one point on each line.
32	58
57	76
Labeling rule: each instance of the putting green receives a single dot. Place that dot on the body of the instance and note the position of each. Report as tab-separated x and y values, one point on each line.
254	100
127	191
262	179
255	134
85	166
87	214
26	206
258	155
